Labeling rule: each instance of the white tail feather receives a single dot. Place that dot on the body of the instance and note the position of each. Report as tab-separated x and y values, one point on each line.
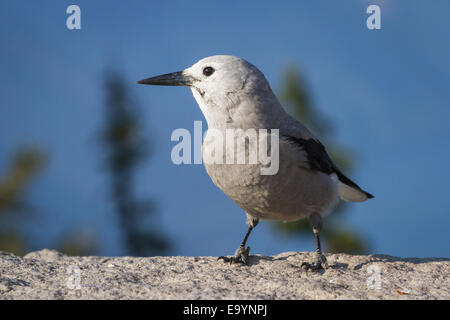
348	193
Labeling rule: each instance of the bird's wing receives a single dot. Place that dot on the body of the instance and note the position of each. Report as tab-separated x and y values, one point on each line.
318	159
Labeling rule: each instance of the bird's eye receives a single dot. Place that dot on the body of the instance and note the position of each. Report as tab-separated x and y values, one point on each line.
207	71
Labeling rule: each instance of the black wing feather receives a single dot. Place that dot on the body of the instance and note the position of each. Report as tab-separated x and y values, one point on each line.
319	160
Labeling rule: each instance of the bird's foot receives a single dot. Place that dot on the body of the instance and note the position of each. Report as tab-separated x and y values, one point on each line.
319	265
240	256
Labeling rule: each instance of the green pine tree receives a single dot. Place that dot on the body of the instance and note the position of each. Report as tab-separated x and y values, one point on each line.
25	165
126	148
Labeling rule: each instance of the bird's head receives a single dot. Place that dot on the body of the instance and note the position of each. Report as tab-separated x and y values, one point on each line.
218	83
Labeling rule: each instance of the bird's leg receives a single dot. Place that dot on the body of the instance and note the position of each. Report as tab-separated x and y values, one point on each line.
242	253
320	260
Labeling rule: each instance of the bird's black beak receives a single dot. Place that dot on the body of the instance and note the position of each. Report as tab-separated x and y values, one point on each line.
169	79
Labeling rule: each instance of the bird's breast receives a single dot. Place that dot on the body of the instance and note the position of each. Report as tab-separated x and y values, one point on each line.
292	193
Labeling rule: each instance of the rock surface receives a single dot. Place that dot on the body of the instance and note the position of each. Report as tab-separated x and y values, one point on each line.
48	274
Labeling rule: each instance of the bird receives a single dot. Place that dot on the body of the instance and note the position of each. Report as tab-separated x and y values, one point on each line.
234	94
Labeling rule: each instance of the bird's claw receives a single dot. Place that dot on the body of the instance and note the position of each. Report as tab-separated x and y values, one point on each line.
240	256
319	265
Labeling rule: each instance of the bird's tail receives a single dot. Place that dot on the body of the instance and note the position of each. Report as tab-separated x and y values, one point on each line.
350	191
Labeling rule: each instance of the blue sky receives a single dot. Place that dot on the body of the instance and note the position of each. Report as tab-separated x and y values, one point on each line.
386	91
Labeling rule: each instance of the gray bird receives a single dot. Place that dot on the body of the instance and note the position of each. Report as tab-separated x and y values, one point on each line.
234	94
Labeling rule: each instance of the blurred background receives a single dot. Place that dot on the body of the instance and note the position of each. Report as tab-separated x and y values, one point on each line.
85	162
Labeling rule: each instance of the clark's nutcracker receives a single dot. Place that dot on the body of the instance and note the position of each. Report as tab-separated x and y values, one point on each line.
234	94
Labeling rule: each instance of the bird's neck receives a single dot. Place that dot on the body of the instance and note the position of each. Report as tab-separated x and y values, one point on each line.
241	110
